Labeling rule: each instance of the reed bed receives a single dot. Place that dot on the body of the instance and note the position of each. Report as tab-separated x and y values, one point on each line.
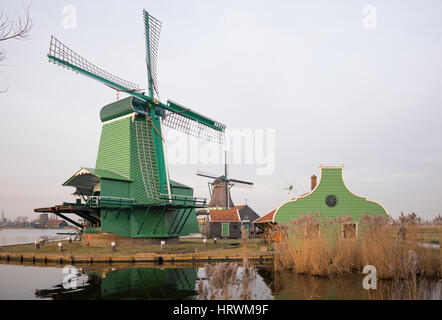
230	281
314	246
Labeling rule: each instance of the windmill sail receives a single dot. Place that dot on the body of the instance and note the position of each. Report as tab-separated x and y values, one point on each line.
152	27
60	54
241	182
176	116
207	175
205	128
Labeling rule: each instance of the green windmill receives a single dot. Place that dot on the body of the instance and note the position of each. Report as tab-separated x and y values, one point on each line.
129	192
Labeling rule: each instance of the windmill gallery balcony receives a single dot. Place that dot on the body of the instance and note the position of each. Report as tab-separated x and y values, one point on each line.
88	209
122	203
110	202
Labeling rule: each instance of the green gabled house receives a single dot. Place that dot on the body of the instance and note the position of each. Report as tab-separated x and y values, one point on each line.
330	198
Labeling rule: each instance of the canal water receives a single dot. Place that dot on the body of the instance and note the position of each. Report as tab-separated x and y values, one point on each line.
178	281
171	282
22	236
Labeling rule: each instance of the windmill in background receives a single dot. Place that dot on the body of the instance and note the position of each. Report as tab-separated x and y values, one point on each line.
220	187
291	189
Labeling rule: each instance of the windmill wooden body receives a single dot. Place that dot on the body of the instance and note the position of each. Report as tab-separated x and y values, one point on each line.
129	192
219	188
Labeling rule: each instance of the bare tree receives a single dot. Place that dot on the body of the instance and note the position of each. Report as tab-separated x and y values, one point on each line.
17	29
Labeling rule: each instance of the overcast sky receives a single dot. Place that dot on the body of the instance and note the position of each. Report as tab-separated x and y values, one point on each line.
333	92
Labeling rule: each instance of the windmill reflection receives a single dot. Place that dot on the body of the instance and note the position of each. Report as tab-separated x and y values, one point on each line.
129	283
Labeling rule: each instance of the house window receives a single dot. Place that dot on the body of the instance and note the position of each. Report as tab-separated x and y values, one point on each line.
235	227
349	230
312	231
331	200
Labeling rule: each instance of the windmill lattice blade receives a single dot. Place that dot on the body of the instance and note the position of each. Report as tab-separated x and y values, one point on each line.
152	27
194	128
62	55
207	175
242	182
242	185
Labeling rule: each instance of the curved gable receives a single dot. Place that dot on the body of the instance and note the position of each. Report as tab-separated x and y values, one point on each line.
331	183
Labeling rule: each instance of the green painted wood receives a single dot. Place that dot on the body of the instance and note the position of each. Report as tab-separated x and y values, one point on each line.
105	174
112	222
144	219
115	150
179	221
114	188
140	228
225	229
160	219
145	161
122	108
331	183
159	152
191	224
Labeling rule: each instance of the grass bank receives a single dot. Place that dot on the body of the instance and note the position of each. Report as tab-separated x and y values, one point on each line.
223	246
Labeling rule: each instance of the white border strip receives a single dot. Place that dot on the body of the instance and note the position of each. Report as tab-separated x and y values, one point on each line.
119	118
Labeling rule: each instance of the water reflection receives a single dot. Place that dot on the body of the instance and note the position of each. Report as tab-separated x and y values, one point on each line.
290	286
185	282
231	281
130	283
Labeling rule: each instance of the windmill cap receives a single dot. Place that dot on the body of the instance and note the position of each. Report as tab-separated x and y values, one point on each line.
122	108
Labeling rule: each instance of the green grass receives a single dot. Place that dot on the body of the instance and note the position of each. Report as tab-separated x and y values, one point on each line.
429	233
227	246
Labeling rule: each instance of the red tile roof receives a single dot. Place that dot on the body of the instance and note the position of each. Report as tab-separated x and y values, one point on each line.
267	218
230	215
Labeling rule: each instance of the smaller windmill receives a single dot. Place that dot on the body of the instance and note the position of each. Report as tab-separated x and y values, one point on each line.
220	187
290	188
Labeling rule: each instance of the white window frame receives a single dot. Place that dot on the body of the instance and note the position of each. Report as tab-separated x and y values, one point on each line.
357	229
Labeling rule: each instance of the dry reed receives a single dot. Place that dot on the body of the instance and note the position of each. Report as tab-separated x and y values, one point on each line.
229	281
314	246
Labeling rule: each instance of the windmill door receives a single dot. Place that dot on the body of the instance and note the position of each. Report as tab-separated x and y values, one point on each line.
225	229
